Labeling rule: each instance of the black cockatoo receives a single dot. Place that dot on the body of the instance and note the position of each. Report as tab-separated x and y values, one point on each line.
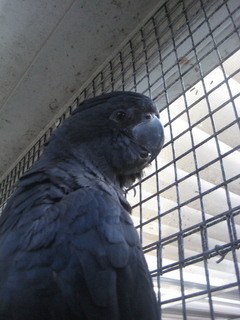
68	247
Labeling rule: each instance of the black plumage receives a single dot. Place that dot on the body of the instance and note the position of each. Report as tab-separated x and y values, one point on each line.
68	248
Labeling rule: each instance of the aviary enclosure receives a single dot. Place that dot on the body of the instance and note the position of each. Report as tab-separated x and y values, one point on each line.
186	57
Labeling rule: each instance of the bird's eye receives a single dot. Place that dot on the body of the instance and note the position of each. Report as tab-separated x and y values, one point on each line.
148	116
121	115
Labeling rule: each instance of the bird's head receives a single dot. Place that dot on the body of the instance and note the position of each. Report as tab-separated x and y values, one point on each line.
118	133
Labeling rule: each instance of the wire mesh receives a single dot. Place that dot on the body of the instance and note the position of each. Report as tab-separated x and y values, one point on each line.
186	208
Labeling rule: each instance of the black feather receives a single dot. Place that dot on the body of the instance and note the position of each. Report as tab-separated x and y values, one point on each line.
68	247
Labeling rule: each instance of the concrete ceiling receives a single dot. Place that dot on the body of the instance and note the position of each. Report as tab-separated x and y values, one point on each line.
48	49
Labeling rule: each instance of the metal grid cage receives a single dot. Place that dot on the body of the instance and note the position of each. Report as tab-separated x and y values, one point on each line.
186	208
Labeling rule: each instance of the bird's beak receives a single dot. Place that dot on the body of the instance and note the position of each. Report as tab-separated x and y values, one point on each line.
149	135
